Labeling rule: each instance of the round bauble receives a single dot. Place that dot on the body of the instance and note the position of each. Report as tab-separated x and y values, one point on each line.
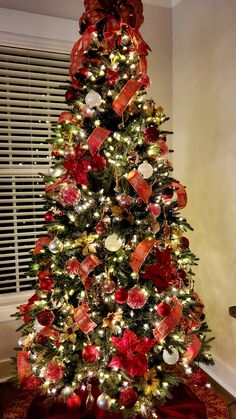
163	309
146	170
70	95
70	195
113	243
151	134
171	358
55	171
108	286
121	296
125	201
145	80
73	402
49	217
184	242
99	228
128	397
155	209
93	99
104	402
45	317
54	371
90	353
199	378
136	298
55	246
112	76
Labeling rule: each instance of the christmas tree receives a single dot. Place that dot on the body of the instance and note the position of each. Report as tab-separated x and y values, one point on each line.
114	305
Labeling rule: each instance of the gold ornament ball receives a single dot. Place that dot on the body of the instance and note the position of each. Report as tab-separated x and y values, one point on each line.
113	243
55	246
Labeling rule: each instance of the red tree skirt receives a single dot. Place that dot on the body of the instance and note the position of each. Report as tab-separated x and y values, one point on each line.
188	402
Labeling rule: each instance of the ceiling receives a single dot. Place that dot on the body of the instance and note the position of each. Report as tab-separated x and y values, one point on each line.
70	9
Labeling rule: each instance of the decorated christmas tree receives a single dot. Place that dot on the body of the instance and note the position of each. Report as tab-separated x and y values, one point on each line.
114	307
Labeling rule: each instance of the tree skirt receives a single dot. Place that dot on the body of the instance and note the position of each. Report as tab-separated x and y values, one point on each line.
188	402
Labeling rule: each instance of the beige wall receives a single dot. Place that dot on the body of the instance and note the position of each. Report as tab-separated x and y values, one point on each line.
204	99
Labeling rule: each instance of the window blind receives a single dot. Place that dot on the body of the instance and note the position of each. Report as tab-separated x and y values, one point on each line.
32	87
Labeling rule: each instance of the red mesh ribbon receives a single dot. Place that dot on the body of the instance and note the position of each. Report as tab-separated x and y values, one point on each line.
140	254
83	319
169	322
23	366
140	185
181	194
192	350
96	139
125	95
88	264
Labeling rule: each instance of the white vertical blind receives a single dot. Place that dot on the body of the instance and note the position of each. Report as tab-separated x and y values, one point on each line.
32	87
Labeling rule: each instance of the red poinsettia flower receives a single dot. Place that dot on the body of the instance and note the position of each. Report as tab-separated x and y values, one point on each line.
77	166
72	266
131	353
163	272
98	162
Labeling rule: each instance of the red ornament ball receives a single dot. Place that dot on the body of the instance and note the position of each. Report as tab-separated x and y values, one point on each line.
98	162
167	193
145	80
99	228
136	298
70	195
184	242
151	135
45	317
163	309
84	72
46	285
112	76
31	383
70	95
121	296
49	217
199	378
128	397
181	273
155	209
125	201
54	371
108	286
73	402
90	353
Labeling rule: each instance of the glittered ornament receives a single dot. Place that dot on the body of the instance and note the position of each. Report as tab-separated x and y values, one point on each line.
54	371
155	209
151	134
46	284
125	201
163	309
108	286
145	80
31	383
55	246
104	402
199	378
90	353
146	170
121	296
128	397
70	95
93	99
49	217
149	107
113	243
112	76
136	298
99	228
171	358
70	195
45	317
73	402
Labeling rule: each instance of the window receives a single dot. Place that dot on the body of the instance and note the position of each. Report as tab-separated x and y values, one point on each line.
32	87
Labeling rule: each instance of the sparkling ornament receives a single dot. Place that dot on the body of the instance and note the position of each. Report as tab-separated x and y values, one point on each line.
93	99
73	402
171	358
99	228
136	298
104	402
155	209
151	134
49	217
70	195
31	383
55	171
125	201
90	353
55	246
163	309
184	242
199	378
121	296
145	80
113	243
128	397
146	170
45	317
54	371
108	286
149	107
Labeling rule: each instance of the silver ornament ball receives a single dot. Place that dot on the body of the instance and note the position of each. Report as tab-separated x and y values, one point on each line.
93	99
113	243
55	246
146	170
104	402
171	358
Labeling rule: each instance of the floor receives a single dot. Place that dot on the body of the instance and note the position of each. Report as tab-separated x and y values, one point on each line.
7	392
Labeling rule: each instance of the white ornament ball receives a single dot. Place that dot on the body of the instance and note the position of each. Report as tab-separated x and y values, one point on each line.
37	326
93	99
104	402
55	246
55	171
171	358
113	243
146	170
